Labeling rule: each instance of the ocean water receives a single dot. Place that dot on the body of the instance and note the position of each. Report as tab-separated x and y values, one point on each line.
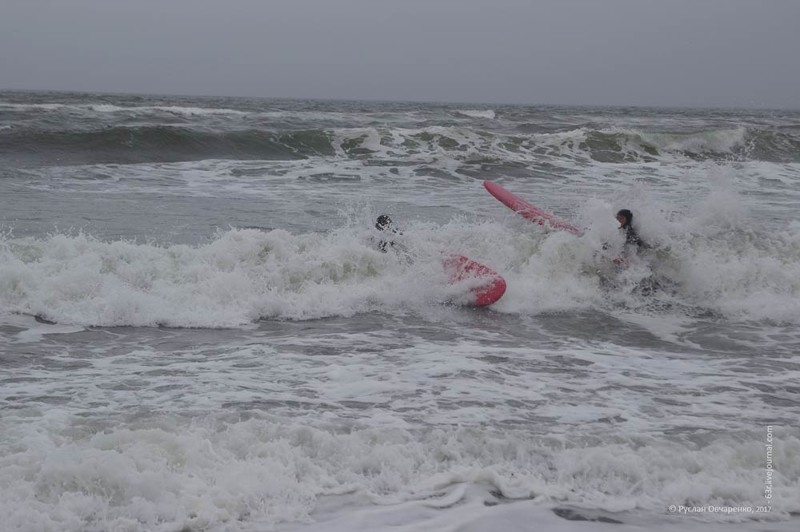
197	332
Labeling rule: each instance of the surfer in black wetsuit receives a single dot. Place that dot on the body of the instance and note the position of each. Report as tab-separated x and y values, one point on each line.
384	223
632	238
387	241
633	242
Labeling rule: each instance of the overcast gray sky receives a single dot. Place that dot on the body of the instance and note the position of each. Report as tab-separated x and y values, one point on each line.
731	53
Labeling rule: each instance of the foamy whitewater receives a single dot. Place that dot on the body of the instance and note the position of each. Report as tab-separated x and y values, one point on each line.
198	332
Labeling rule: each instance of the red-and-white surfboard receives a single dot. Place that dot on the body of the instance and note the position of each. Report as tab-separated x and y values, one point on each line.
486	285
531	212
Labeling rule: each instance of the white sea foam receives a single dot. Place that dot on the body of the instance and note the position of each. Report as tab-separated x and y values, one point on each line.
256	474
234	280
260	432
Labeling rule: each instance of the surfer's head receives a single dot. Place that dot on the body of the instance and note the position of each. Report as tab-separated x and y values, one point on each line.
624	217
383	222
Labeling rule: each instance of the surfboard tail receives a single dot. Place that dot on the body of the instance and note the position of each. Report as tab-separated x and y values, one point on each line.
489	286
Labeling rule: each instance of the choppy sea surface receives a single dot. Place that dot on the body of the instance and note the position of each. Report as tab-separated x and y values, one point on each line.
197	332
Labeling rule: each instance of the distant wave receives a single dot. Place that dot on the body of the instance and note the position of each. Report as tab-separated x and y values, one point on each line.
110	108
475	113
169	143
735	143
603	145
109	112
163	144
626	145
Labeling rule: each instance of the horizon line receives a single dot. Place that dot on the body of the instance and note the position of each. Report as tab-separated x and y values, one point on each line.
405	101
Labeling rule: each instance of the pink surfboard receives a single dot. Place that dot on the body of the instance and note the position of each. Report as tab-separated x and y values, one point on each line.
525	209
490	286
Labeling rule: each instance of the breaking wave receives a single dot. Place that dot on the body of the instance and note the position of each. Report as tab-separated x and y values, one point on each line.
244	275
